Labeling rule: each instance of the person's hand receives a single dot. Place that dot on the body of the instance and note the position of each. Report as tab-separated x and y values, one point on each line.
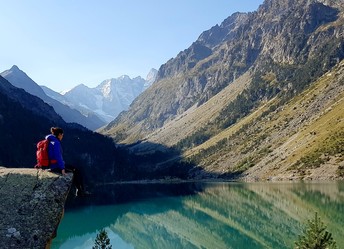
63	172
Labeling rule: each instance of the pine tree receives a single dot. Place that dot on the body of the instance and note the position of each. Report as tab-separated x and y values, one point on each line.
315	236
102	241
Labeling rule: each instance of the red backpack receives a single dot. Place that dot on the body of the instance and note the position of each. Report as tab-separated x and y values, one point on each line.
42	154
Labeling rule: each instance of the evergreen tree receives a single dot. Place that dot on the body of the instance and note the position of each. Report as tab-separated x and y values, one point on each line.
102	241
315	236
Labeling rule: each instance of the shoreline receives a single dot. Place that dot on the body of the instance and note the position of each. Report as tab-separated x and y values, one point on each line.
163	181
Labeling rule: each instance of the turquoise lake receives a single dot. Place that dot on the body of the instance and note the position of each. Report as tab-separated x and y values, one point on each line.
202	215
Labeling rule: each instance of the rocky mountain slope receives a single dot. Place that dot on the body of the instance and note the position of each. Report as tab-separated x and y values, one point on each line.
301	139
21	80
223	100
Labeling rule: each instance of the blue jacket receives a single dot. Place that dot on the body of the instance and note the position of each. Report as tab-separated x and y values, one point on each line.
55	152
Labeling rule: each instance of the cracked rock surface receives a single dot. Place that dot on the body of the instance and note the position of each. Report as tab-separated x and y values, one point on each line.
31	206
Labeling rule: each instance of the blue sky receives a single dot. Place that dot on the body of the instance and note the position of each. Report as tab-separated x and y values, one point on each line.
63	43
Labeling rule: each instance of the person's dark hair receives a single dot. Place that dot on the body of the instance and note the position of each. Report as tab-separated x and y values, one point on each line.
56	131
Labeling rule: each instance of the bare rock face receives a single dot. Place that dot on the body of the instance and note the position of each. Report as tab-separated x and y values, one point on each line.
31	206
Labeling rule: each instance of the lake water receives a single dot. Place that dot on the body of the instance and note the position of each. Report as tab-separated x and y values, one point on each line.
202	215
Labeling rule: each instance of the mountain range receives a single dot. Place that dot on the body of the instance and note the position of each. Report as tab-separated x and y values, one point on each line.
90	107
109	98
20	79
247	98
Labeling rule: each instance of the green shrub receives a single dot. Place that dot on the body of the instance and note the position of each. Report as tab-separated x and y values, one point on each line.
340	171
102	241
244	164
315	236
310	161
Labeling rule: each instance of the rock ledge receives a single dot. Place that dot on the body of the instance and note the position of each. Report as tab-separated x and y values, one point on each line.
31	206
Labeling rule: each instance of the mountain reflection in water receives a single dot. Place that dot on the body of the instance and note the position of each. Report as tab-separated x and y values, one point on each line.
202	215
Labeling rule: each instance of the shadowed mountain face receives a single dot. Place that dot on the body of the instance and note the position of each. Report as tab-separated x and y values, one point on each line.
25	119
215	100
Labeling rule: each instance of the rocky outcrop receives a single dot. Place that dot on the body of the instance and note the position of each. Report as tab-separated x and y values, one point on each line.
31	206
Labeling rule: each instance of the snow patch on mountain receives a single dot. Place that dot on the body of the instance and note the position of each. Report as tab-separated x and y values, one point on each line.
110	97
